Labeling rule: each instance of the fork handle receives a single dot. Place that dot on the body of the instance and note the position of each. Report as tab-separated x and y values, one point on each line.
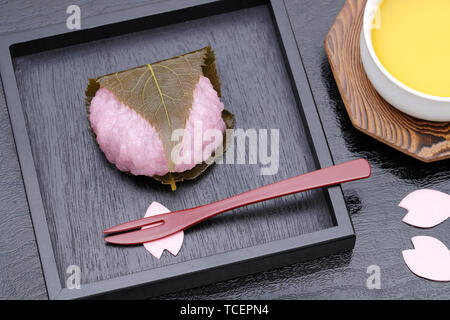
344	172
179	220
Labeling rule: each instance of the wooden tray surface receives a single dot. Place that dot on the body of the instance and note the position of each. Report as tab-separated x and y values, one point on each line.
83	194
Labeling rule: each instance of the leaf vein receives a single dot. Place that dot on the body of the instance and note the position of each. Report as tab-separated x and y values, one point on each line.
160	94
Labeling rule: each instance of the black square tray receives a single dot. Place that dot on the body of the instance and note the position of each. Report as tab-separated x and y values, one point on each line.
73	193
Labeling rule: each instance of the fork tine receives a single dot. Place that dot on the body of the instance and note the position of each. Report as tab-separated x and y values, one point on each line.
139	223
143	235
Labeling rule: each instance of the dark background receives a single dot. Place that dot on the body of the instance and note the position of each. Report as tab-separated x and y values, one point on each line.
381	236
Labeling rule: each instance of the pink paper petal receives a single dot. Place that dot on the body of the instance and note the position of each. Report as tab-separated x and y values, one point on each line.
430	259
170	243
426	208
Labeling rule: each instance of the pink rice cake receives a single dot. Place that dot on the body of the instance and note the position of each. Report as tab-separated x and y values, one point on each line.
134	146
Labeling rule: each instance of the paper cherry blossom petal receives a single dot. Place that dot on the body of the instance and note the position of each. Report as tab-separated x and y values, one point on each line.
170	243
430	259
426	208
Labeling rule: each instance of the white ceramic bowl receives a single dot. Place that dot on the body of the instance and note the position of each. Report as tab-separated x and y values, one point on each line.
399	95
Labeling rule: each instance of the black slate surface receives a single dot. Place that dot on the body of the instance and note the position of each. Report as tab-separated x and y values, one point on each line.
381	236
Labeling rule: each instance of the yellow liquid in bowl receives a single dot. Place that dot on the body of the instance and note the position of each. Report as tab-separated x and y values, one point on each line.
412	41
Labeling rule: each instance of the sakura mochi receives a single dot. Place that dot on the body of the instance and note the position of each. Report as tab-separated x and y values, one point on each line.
163	120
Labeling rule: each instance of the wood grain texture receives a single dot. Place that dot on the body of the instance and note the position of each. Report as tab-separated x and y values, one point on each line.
373	203
20	269
83	194
30	14
368	111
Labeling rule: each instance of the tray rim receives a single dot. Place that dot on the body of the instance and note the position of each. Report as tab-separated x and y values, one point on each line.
220	266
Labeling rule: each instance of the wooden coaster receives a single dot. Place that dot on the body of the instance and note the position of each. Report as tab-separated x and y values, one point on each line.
368	111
